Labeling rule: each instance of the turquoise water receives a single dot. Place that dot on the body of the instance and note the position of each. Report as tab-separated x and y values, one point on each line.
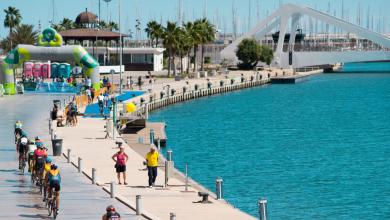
314	150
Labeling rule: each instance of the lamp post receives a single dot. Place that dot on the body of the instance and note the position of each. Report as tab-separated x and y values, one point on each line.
120	51
39	23
107	10
97	29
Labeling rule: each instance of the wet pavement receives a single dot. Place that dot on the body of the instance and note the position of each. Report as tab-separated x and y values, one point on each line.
18	199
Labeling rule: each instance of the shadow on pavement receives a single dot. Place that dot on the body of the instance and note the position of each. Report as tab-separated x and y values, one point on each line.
38	216
39	207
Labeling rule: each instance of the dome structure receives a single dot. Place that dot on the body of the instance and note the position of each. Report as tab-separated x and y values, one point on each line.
85	18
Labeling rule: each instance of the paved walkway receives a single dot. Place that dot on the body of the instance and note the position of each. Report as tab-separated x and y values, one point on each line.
87	141
19	200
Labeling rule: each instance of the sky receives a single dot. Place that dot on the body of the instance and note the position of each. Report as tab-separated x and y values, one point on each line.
33	10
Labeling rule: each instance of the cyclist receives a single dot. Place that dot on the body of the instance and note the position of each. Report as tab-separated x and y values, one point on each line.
53	180
18	130
39	159
31	149
101	99
45	171
38	140
105	99
111	214
22	146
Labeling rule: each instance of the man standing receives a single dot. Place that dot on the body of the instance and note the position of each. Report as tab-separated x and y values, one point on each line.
88	83
152	160
104	81
140	82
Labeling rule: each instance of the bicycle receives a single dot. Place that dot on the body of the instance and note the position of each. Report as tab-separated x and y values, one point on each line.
23	163
40	184
53	205
32	173
101	107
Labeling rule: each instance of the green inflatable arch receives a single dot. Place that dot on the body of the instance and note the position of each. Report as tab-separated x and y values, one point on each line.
49	47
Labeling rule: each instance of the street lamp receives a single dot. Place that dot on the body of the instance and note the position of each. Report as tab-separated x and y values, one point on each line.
107	10
97	29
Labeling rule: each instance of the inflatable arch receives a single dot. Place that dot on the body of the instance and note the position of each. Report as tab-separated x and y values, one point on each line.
49	47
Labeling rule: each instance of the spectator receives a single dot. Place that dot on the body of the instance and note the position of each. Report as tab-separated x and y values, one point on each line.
54	79
108	86
69	80
92	94
55	116
23	78
140	82
88	83
62	80
148	75
128	83
121	164
73	113
151	81
101	83
104	80
131	83
43	79
75	108
152	160
88	92
111	214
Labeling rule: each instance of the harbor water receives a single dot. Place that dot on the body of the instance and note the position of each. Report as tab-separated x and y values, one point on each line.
314	150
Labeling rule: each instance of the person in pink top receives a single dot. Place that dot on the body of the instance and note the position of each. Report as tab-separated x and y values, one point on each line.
120	159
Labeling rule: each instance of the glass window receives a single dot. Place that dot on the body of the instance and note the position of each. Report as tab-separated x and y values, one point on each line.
142	58
126	58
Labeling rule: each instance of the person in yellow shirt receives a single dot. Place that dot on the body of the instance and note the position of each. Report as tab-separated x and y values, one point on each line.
152	160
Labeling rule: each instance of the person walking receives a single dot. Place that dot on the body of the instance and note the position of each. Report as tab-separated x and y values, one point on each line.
152	160
121	159
140	82
151	81
131	83
128	83
92	94
88	91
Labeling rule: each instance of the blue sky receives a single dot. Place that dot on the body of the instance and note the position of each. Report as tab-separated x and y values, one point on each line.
32	10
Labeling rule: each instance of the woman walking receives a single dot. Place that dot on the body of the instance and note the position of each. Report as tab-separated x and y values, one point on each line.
151	81
121	159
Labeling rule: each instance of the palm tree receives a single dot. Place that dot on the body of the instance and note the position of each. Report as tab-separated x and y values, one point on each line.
12	18
185	44
112	26
24	34
170	37
158	32
103	25
198	32
151	30
208	35
57	27
194	36
66	24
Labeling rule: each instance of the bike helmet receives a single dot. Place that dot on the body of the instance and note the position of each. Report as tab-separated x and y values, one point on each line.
39	144
37	138
32	142
24	135
110	208
48	160
53	166
17	121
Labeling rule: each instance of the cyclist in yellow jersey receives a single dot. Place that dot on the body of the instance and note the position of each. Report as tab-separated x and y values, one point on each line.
44	172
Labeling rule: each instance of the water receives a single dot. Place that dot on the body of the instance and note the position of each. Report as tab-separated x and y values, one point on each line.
314	150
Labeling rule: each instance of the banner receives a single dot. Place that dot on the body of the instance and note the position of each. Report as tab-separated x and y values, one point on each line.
59	87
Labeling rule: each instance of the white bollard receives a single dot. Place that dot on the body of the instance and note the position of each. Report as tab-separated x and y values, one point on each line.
112	186
94	173
138	205
69	155
80	165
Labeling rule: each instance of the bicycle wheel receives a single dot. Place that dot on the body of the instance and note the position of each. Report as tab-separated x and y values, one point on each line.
49	204
55	207
23	165
40	187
